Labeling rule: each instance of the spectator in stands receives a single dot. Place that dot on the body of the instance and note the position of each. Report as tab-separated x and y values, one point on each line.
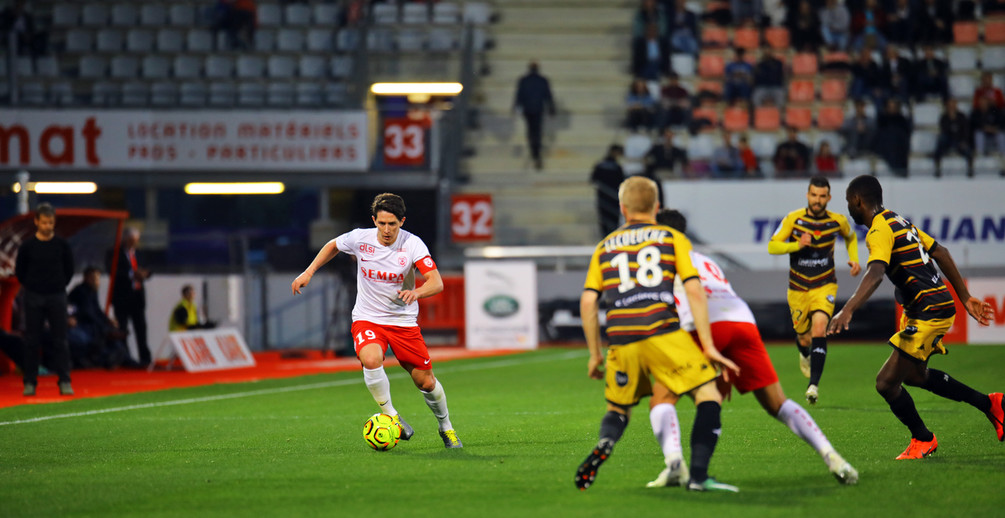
896	74
954	135
683	29
930	76
835	25
650	13
606	178
933	22
867	79
238	19
17	20
533	98
640	105
665	156
746	12
650	55
858	131
900	23
96	339
751	166
792	157
893	137
739	82
726	160
826	161
129	296
769	79
987	89
804	28
988	124
868	25
675	103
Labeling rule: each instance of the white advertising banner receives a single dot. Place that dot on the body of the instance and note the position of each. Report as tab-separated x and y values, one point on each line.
500	304
992	291
211	349
289	141
739	217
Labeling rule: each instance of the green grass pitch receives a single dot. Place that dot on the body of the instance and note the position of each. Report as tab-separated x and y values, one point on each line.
294	447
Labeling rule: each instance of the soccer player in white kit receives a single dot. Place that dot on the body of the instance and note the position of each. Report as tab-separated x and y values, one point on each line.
386	309
735	334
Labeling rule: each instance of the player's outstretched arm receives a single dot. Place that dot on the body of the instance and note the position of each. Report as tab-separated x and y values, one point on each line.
589	306
327	252
981	311
872	279
698	302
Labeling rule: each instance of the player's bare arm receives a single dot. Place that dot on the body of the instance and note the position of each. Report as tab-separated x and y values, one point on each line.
981	311
698	301
874	274
327	253
589	307
432	286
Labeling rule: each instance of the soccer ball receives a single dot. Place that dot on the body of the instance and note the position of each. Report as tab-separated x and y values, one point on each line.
381	432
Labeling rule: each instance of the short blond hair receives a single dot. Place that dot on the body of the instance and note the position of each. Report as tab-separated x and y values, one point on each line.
638	195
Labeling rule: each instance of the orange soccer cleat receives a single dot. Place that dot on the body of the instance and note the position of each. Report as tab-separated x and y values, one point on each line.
997	414
919	449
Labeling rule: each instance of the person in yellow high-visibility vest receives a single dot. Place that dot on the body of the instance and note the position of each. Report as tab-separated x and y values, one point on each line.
185	316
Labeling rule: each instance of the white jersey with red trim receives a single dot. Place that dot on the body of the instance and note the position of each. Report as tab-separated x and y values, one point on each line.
724	305
381	271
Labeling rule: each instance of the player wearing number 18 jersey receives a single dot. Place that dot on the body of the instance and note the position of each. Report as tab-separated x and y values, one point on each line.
735	334
634	269
904	253
386	308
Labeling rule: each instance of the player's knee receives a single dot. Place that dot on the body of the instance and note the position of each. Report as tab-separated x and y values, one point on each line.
886	387
424	380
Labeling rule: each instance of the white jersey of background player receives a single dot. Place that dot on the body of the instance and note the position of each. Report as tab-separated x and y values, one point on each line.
724	305
386	307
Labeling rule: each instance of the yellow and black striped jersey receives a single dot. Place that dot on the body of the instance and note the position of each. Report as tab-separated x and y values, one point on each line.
904	249
813	265
633	269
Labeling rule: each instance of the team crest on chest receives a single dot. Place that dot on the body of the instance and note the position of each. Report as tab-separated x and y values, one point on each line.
402	261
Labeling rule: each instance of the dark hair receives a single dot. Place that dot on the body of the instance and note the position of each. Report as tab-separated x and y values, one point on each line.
868	188
388	202
44	209
186	289
673	219
820	181
91	269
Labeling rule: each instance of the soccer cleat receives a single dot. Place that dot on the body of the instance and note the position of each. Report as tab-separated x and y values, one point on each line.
804	365
675	474
919	449
997	414
841	469
65	389
711	484
812	394
450	439
406	429
587	471
29	389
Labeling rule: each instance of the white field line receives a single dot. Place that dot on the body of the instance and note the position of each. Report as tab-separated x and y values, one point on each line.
279	390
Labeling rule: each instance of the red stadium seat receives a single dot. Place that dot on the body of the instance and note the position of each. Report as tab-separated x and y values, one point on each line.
833	90
708	113
965	33
830	117
736	119
711	65
804	64
994	31
801	91
777	37
714	87
747	38
799	118
767	119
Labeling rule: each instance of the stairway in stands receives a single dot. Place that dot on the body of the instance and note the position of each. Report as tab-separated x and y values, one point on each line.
583	49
